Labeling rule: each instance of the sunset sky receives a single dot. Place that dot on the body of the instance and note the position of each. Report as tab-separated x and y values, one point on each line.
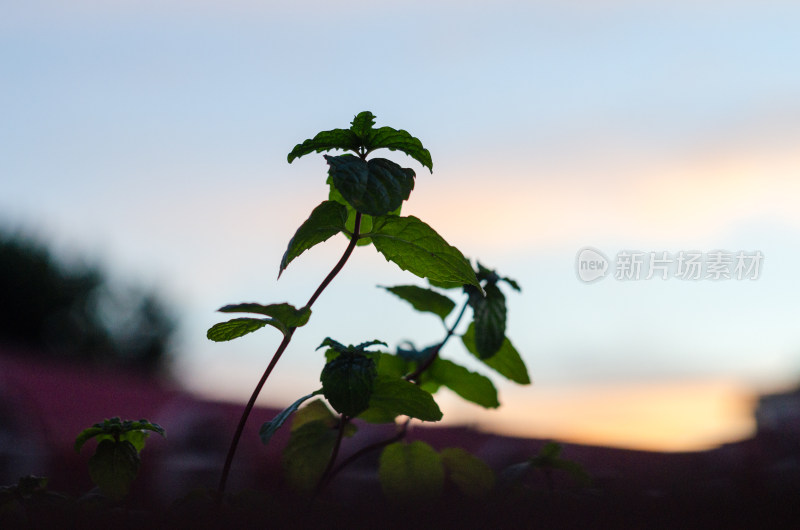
152	136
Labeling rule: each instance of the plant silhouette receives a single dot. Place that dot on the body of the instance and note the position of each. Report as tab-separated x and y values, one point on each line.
366	381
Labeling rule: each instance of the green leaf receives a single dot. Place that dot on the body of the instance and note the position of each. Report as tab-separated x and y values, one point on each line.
426	300
325	221
489	311
362	347
514	285
392	397
392	365
430	386
445	285
326	141
341	349
473	387
362	125
350	224
316	410
486	274
393	182
233	329
416	247
347	383
116	429
269	428
362	138
411	473
374	187
549	457
386	137
306	454
113	467
136	438
147	426
314	432
491	276
507	361
284	318
490	320
548	452
337	348
285	314
469	473
411	353
85	435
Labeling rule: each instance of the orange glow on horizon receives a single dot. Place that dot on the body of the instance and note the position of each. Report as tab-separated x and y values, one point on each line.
670	416
666	416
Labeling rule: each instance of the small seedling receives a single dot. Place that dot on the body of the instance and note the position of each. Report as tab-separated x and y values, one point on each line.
115	463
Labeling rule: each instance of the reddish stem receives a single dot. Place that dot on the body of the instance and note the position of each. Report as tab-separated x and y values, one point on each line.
276	357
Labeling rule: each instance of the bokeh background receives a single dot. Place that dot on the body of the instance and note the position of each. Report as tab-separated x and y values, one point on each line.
151	137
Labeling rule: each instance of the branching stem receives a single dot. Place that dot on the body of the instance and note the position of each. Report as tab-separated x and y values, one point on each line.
414	376
277	355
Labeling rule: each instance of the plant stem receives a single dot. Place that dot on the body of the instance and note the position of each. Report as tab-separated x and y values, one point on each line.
364	450
331	275
248	408
287	338
414	376
343	422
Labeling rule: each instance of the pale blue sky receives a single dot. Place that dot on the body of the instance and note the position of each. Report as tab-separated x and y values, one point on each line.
153	137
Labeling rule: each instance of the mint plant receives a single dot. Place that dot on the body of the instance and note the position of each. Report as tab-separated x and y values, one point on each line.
22	504
365	381
115	462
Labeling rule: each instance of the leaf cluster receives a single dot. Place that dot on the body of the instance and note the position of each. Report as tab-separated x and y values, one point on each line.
547	461
26	502
378	386
362	381
362	138
115	462
283	317
414	473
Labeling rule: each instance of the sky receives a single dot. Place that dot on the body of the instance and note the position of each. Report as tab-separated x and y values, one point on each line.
152	137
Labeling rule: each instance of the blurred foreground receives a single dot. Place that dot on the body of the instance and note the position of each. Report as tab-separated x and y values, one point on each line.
44	404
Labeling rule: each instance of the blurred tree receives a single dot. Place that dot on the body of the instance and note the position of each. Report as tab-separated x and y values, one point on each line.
75	313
